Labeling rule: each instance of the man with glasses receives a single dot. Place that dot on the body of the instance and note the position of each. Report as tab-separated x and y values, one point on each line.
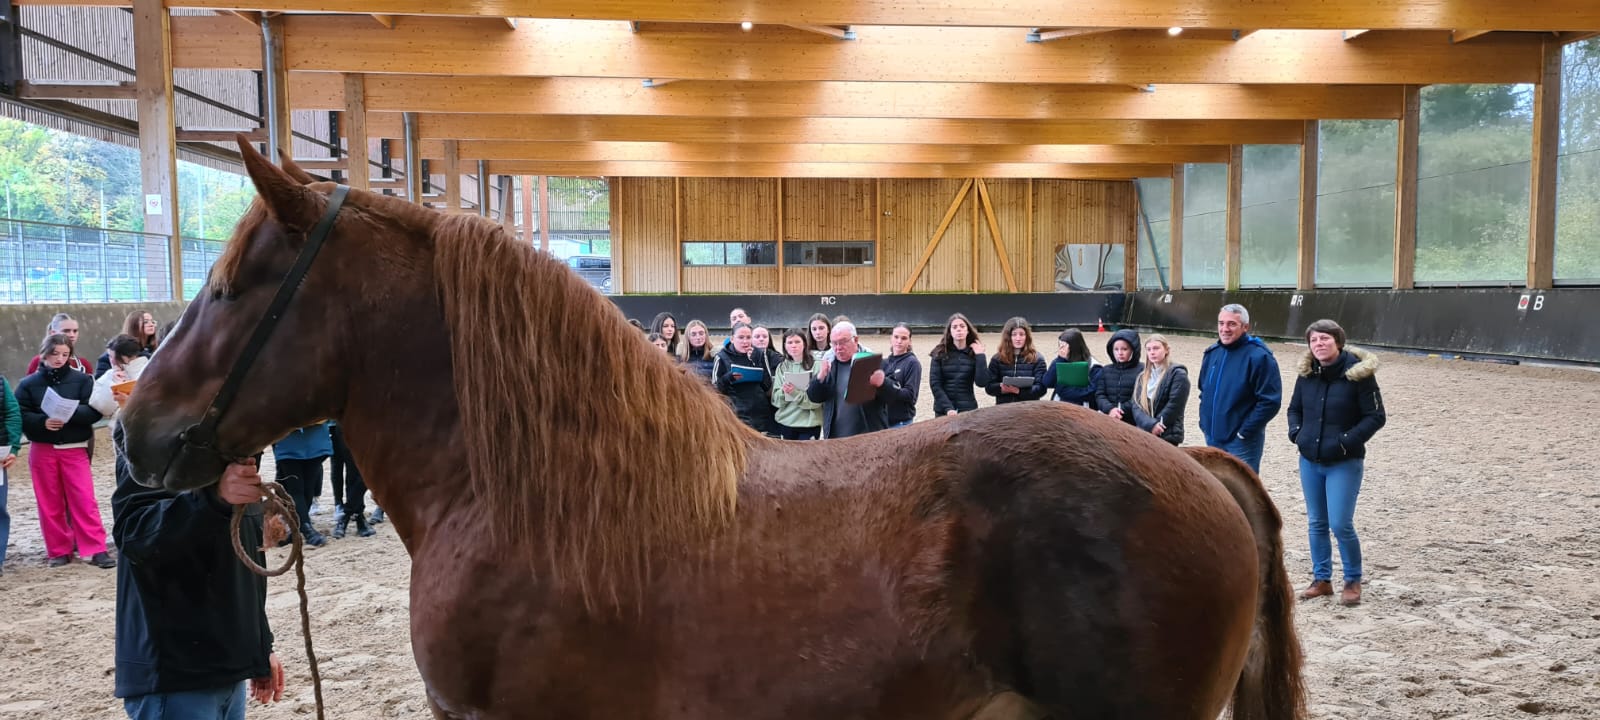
831	385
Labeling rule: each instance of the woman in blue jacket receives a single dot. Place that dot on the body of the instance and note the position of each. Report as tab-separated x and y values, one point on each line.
1335	410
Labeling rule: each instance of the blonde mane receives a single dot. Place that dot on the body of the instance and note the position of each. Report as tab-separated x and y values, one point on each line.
573	423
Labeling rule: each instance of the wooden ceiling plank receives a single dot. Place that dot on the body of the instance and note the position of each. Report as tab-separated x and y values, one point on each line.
832	170
543	48
1218	14
999	101
1461	36
472	150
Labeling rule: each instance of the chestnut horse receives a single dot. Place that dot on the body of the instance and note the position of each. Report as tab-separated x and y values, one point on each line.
593	534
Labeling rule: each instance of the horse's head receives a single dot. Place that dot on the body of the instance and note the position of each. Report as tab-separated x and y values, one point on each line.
300	373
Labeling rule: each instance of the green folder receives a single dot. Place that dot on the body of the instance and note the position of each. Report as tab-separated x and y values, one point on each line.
1072	374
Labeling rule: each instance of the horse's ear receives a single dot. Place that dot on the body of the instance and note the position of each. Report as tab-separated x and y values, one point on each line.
287	200
295	171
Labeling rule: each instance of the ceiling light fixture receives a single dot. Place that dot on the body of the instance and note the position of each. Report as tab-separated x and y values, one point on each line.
1174	31
746	25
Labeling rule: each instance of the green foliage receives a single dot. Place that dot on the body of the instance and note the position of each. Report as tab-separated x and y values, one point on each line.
57	177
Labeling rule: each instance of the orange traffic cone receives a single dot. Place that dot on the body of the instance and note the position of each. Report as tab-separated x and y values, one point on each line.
1102	326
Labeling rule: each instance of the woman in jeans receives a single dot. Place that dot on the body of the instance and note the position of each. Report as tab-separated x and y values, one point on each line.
1335	410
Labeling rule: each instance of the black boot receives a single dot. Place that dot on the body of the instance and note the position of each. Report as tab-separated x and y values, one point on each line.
312	537
362	528
341	521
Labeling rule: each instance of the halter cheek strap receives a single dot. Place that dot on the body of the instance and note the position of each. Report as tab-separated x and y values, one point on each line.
202	436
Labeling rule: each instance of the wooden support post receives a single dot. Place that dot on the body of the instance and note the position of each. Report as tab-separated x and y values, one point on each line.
275	81
1405	191
994	235
508	203
618	286
483	189
1175	243
778	216
413	143
544	213
452	176
530	224
1306	256
677	228
1233	254
355	129
1130	253
1542	188
933	242
158	144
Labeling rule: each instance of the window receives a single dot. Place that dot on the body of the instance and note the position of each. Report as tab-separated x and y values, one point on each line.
730	253
1355	202
1270	216
1205	225
827	253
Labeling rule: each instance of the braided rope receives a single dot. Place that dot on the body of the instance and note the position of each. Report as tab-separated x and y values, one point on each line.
278	503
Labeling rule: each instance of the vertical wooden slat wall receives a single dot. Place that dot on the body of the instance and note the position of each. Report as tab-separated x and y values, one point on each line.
1010	198
817	210
905	217
648	256
1071	212
729	210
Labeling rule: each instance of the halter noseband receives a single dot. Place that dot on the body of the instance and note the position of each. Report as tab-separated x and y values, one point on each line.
201	438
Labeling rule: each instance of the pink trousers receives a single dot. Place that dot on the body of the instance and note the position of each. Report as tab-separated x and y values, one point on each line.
68	511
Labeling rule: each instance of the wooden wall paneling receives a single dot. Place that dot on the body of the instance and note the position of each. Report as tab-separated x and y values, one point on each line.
812	280
976	201
916	208
877	235
1071	212
730	279
777	236
1008	201
1027	250
646	225
822	209
614	194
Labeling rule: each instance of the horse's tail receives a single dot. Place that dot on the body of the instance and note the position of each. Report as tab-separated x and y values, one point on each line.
1270	686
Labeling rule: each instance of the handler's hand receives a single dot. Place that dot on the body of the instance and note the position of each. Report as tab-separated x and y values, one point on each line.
53	424
269	689
241	484
9	461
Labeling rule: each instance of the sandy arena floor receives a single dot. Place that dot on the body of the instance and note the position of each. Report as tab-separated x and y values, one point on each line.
1477	519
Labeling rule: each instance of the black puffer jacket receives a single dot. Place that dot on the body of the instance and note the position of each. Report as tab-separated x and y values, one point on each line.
999	371
952	377
69	384
1115	387
752	400
1172	396
1336	408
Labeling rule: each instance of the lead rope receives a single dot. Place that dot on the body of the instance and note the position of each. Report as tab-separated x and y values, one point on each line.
279	503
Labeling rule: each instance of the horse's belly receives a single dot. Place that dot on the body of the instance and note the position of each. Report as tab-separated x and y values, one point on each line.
489	644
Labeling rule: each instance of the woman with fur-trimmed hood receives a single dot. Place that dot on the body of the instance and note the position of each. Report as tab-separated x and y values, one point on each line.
1336	409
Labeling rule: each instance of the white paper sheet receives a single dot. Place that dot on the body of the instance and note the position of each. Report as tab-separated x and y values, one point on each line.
56	407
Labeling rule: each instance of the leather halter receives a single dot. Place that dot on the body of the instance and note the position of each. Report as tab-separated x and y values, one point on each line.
201	438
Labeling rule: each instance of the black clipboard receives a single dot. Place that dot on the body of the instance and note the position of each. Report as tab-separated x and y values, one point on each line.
861	391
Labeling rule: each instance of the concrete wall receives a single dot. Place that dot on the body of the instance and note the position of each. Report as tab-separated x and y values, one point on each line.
22	328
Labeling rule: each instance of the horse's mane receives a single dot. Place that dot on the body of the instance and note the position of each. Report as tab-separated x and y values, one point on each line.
583	440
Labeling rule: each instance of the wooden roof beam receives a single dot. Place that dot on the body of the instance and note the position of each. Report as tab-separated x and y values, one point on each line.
606	96
75	90
1353	34
1039	35
384	20
603	128
543	48
829	170
1572	37
1461	36
470	150
834	31
1215	14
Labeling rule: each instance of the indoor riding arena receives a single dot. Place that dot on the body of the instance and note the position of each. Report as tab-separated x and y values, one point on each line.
1425	174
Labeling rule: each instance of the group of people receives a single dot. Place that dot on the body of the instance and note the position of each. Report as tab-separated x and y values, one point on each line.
798	388
56	406
192	638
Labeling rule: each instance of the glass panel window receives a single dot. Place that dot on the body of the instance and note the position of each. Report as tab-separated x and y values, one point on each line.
1578	167
1269	236
828	253
730	253
1205	225
1355	202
